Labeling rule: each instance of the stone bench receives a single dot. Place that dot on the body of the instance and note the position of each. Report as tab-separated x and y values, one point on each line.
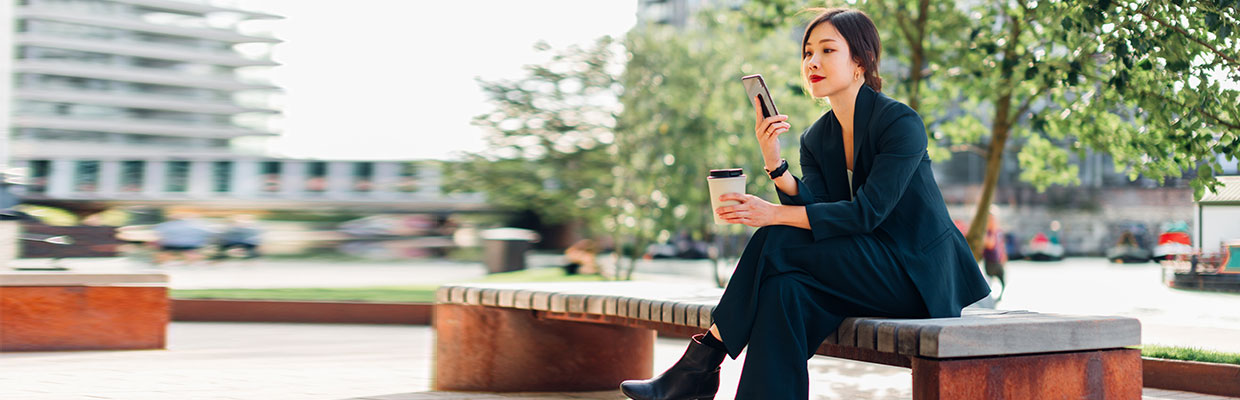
73	311
583	336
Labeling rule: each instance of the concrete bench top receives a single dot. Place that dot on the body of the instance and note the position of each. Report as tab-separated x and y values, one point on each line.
978	332
78	279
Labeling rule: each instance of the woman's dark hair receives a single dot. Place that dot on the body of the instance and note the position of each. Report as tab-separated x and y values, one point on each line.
860	33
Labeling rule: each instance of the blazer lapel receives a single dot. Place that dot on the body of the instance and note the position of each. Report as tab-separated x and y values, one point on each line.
835	168
862	112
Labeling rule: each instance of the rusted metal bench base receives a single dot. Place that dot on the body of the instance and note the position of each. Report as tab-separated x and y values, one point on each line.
480	348
63	311
1102	374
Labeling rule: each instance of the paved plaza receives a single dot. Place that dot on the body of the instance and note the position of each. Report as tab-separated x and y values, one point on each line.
315	361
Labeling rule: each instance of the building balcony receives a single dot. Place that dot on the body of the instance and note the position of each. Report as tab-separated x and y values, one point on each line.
135	100
137	75
140	49
131	126
135	24
30	149
195	8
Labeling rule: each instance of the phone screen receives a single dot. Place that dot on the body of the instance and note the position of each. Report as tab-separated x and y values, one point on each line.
755	86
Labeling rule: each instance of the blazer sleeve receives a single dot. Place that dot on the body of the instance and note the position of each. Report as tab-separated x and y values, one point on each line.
901	147
809	184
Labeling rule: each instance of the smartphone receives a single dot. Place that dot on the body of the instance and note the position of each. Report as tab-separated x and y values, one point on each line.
755	86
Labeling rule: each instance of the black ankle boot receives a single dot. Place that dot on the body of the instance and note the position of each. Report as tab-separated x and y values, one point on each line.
694	377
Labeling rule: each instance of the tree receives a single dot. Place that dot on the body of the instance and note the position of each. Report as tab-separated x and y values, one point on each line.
1060	75
549	137
686	112
1170	69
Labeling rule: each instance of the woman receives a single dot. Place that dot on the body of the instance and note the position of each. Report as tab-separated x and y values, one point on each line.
864	232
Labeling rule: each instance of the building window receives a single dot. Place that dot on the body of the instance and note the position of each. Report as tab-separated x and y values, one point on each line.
363	176
408	182
133	175
178	177
316	177
271	176
39	172
221	175
86	176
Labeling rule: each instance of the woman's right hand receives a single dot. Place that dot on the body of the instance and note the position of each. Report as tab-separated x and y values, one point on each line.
767	132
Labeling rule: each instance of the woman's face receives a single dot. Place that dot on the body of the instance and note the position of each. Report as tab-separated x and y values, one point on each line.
826	62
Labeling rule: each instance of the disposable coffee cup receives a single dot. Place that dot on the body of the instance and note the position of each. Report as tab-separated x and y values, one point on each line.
723	181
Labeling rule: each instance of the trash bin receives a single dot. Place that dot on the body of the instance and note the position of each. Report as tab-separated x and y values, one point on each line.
504	248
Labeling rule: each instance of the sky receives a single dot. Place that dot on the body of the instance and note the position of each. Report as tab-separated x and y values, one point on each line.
395	79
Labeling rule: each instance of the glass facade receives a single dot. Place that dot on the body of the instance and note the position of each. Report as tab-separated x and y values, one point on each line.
86	176
40	171
363	176
270	171
177	178
133	176
316	177
408	182
221	176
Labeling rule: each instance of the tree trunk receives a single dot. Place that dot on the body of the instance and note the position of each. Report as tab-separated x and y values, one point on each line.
994	158
999	130
917	46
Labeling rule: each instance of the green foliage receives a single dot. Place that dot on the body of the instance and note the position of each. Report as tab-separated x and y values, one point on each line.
686	112
1166	82
550	132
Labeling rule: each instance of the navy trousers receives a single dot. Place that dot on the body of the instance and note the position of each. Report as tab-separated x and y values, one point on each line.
789	293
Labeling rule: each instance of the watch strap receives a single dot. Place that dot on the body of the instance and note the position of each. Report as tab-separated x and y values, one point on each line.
779	171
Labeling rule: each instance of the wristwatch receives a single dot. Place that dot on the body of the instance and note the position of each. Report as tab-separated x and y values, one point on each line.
779	171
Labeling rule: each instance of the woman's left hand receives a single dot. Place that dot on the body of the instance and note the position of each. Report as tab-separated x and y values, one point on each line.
752	210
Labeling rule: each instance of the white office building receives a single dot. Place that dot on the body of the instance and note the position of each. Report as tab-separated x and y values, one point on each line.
139	102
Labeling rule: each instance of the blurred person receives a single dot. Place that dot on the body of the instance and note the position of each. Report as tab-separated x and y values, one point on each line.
242	233
582	258
181	236
865	231
994	253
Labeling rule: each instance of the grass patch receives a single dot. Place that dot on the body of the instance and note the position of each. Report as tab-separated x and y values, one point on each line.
1189	354
378	294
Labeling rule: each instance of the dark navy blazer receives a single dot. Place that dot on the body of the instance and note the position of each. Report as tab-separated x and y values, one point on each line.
896	199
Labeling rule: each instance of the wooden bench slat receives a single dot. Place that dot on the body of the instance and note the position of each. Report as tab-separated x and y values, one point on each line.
490	297
691	314
507	298
848	332
704	316
523	299
559	302
541	301
634	306
867	333
593	305
909	340
678	314
610	306
473	295
458	294
643	310
668	312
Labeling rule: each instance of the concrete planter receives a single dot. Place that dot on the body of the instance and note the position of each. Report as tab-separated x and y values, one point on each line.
1192	376
344	312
